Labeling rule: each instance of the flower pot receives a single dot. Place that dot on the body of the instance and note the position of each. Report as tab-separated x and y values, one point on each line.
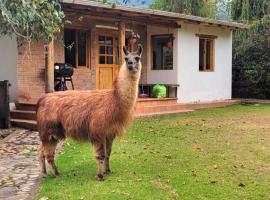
132	41
169	44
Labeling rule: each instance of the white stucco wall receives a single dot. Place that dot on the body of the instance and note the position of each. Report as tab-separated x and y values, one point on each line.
160	76
8	63
196	86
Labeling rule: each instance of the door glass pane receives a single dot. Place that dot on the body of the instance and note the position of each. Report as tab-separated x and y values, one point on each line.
82	48
201	49
109	59
101	39
109	41
102	50
109	50
208	50
101	59
70	46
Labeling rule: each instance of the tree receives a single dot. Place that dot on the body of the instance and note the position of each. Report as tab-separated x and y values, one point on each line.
203	8
251	49
30	19
249	10
33	20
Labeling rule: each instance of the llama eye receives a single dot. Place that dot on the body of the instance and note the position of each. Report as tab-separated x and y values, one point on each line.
126	59
137	59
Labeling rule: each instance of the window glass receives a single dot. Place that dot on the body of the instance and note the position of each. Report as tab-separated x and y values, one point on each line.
109	59
70	46
101	49
101	59
101	39
201	49
162	52
206	54
109	41
208	50
82	48
110	50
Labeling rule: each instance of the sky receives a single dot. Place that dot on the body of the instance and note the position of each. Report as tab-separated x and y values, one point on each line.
138	3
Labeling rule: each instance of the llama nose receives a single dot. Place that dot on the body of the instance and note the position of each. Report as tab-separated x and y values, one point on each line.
130	63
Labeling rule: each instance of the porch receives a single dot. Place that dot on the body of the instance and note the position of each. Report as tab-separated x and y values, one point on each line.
93	38
25	114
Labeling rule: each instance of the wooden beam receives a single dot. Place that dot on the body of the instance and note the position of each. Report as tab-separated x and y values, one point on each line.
121	40
206	36
49	64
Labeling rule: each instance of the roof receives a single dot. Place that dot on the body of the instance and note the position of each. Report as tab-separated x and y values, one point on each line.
158	13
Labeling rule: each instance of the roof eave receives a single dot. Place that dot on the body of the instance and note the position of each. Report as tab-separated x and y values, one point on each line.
174	16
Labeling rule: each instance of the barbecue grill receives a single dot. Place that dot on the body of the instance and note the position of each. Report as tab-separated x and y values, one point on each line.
62	73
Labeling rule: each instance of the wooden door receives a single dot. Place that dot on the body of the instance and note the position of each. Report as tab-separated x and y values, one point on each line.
107	58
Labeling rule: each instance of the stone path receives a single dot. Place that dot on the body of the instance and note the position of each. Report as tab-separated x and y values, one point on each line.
19	168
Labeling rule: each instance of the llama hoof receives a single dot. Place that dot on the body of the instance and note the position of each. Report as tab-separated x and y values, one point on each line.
44	174
108	171
100	177
56	174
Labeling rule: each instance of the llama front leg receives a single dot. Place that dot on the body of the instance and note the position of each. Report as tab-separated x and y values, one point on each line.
109	141
99	153
49	150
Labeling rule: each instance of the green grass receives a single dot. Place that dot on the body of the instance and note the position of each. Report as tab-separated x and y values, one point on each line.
209	154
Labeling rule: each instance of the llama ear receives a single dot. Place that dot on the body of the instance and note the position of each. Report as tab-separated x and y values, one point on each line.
125	50
140	50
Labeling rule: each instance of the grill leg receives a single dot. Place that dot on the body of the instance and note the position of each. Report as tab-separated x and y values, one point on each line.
72	83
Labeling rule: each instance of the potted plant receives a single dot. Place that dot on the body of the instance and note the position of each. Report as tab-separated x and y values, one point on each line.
159	91
169	43
134	37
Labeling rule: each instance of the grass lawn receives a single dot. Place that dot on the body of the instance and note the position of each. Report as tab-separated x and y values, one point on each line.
208	154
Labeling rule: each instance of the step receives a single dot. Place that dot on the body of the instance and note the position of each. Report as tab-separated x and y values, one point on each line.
23	114
26	106
28	124
160	108
161	113
155	101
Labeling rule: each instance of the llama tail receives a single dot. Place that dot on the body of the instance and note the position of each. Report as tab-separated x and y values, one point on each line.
39	101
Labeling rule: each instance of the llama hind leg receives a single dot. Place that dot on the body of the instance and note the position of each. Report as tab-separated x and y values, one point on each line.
99	153
49	151
109	141
42	160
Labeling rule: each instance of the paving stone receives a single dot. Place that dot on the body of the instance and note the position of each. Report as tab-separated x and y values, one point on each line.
6	192
18	164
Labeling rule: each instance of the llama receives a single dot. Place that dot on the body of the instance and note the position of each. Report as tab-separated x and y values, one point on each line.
97	116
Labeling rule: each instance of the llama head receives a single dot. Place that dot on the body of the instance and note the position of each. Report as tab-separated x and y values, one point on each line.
133	59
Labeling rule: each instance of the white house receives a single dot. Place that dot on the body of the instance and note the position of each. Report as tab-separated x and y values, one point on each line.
190	55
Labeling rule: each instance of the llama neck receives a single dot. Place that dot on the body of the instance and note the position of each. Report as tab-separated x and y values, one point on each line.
127	85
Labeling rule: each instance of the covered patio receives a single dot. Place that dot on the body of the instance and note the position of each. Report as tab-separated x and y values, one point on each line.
93	38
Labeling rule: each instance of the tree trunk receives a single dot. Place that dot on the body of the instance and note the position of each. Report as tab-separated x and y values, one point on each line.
49	64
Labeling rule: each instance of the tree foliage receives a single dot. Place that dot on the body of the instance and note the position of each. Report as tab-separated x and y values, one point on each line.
193	7
30	19
251	49
248	10
251	61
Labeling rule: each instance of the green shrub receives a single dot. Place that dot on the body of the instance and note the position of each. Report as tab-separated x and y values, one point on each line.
159	91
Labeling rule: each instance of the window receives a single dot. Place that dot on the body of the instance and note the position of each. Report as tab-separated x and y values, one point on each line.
206	54
106	51
76	47
162	52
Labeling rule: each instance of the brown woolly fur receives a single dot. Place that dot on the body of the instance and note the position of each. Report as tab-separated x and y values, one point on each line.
97	116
